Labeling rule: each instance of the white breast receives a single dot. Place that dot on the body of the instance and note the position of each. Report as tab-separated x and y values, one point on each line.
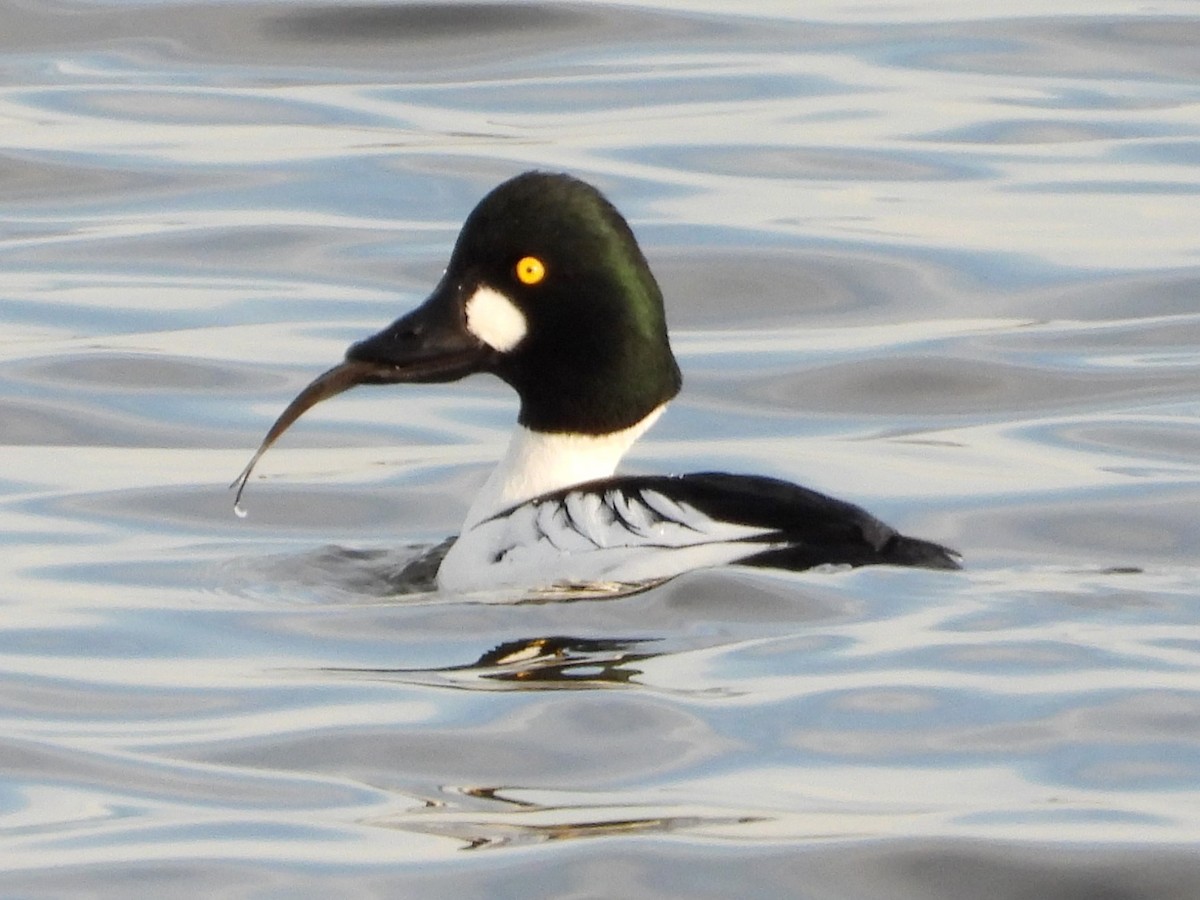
537	463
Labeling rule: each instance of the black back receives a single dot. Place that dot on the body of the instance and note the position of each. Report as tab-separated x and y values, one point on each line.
816	529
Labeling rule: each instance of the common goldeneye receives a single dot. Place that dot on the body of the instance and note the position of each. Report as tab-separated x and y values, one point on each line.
548	289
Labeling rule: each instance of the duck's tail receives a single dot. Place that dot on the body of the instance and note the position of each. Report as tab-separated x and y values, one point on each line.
906	551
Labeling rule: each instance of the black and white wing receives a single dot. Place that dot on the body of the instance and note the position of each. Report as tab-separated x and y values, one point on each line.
642	528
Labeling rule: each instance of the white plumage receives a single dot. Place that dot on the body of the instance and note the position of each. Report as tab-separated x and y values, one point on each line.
594	535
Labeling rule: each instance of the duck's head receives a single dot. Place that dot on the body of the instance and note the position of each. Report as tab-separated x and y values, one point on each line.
546	288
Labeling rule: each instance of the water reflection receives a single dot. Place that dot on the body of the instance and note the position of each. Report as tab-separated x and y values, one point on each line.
418	24
554	663
523	828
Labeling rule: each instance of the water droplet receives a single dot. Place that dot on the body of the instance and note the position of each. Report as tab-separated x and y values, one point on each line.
238	511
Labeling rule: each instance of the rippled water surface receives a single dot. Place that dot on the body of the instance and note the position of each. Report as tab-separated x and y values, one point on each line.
942	264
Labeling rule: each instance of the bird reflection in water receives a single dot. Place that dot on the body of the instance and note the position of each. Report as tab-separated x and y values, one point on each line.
526	823
553	662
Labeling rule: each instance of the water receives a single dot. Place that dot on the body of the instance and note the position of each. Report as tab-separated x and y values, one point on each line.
938	263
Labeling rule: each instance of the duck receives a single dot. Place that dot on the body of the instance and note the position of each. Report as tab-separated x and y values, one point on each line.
547	289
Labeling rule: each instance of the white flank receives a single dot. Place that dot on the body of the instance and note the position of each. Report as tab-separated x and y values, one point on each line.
588	538
537	462
495	319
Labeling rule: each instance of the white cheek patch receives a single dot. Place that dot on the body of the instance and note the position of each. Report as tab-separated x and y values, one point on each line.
495	319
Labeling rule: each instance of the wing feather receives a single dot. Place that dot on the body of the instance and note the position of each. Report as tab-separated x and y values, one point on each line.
630	529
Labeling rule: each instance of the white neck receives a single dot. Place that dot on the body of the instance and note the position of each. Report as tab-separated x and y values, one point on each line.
538	462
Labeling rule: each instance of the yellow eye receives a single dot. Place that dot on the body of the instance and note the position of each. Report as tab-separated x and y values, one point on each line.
530	270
